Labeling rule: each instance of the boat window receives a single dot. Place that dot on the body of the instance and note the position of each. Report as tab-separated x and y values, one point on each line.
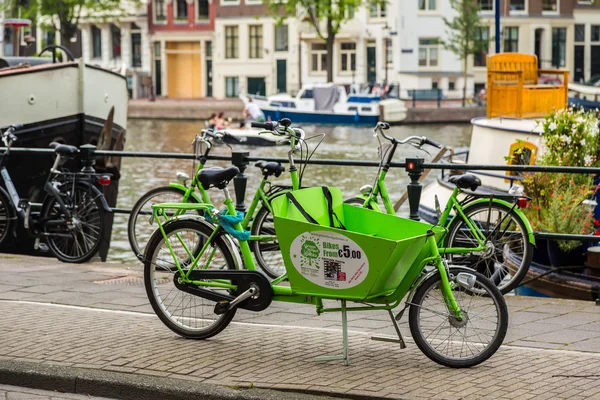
521	153
308	94
352	108
367	109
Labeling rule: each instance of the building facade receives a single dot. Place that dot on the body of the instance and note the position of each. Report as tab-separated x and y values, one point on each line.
586	49
363	49
181	42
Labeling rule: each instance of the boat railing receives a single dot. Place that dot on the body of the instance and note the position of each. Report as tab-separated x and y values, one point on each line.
414	166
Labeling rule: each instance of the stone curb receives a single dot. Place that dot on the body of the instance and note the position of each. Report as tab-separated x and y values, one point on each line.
124	386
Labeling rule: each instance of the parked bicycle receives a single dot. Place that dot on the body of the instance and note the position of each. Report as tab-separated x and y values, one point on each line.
196	281
258	217
483	229
71	218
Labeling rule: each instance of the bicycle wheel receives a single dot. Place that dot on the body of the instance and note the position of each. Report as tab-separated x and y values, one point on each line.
267	253
504	231
77	239
449	341
184	313
141	225
6	217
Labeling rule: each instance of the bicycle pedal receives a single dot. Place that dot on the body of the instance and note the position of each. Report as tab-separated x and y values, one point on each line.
43	247
222	307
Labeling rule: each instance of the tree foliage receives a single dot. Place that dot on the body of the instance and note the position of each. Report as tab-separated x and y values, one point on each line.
464	38
326	17
64	15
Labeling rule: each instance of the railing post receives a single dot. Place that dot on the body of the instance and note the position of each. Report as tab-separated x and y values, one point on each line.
87	153
439	98
414	167
240	160
414	98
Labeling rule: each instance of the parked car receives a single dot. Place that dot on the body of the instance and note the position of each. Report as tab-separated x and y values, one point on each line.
549	80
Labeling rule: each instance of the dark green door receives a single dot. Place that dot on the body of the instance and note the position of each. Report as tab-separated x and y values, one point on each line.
281	76
371	64
256	86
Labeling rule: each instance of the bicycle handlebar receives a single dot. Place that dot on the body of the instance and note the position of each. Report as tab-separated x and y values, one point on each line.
420	140
268	126
8	133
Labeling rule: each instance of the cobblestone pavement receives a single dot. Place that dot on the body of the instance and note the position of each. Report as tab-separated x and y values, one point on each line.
96	317
20	393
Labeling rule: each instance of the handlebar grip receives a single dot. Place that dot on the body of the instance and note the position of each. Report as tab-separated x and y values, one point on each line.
384	125
263	125
433	143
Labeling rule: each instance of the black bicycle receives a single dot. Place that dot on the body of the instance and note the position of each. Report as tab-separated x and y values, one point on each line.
70	220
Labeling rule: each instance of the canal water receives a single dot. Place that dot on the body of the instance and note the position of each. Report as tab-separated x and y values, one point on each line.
138	175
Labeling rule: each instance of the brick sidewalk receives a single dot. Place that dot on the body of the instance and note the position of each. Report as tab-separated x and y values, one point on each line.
108	328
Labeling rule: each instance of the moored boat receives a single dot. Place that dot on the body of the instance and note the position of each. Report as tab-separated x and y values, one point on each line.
330	104
67	102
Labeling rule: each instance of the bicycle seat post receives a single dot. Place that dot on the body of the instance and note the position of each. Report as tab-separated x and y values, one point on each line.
414	167
240	160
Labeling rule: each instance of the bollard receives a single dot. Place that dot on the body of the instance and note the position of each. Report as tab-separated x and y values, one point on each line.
87	153
414	167
240	160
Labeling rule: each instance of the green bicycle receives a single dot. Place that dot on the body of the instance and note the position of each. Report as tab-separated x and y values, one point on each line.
141	223
196	281
484	231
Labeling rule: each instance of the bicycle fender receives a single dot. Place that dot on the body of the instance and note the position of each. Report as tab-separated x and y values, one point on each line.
373	204
183	188
424	276
517	211
97	193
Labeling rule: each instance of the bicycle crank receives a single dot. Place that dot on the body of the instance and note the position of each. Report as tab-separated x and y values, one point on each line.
254	291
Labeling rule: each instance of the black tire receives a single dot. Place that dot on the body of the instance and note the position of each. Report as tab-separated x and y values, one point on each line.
423	311
139	225
7	216
267	253
357	201
79	240
159	274
512	234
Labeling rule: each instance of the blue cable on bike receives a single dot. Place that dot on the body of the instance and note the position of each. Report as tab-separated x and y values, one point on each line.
228	222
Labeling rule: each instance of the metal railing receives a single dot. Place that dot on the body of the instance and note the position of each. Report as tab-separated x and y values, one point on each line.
413	166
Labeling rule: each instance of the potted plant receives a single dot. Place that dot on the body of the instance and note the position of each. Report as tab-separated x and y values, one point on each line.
570	138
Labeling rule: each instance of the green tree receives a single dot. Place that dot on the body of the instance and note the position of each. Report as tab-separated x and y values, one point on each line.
64	15
464	37
325	16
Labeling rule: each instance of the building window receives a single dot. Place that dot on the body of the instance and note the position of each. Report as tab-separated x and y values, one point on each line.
483	37
136	49
559	47
318	57
389	54
281	38
427	5
451	85
202	10
486	5
434	84
115	34
231	42
579	33
50	38
379	10
595	33
232	86
181	10
256	41
517	5
511	39
159	10
347	57
550	5
96	42
428	52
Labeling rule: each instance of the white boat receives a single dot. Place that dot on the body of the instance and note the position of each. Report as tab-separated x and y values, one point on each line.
584	96
330	104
